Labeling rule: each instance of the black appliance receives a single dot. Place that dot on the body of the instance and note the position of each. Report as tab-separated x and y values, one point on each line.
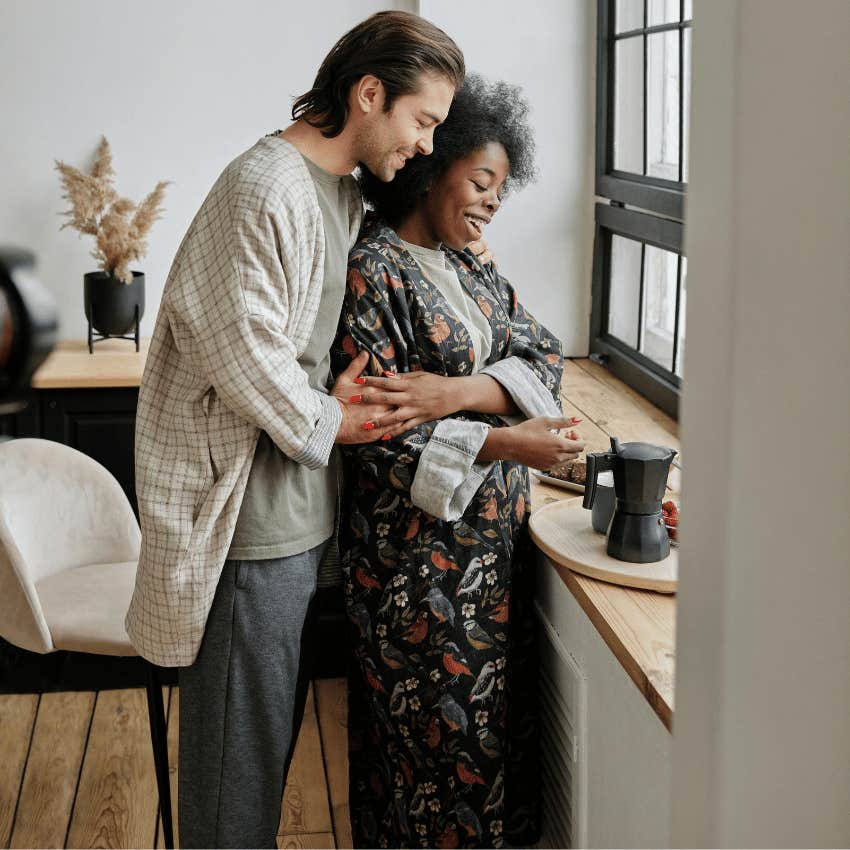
637	533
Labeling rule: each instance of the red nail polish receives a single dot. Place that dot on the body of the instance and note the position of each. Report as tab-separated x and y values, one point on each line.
386	437
575	421
359	380
389	374
368	426
355	399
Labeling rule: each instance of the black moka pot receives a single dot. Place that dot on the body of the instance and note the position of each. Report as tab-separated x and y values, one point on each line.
637	531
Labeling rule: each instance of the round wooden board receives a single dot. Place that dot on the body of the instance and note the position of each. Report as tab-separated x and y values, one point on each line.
563	531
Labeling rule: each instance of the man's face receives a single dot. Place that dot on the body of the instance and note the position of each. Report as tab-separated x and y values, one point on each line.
388	139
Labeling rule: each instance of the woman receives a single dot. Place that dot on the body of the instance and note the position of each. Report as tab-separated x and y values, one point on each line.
433	547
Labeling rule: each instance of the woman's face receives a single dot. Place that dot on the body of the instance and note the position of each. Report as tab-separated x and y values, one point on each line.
463	201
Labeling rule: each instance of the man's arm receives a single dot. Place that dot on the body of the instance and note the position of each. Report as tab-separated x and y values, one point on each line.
241	280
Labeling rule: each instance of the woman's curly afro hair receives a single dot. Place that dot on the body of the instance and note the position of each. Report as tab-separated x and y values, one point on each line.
481	112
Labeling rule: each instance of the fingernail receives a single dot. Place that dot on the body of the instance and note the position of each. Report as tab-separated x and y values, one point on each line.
389	374
386	437
355	399
575	421
359	380
368	426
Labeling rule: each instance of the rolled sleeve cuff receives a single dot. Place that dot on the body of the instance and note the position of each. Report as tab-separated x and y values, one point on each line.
447	476
317	450
526	389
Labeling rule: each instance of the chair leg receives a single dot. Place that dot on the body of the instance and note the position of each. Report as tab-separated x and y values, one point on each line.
159	740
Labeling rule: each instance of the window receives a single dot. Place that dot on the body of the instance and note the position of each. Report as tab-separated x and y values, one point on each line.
639	274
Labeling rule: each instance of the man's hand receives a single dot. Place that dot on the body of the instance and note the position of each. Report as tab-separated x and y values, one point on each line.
358	419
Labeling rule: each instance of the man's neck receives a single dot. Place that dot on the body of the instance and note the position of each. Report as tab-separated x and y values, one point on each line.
334	155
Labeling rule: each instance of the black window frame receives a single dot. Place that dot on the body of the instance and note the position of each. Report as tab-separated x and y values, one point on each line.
661	386
647	209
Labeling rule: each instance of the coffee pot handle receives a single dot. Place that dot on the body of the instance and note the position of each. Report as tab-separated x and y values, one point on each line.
596	462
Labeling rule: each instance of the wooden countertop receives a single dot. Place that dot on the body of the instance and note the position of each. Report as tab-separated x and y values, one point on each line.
639	626
114	363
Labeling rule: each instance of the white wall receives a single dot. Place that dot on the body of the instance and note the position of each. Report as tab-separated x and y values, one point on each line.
542	236
761	743
178	88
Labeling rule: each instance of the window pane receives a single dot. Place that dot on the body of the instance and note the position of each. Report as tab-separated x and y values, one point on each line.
662	98
662	12
628	105
658	322
624	302
686	118
629	15
683	295
689	10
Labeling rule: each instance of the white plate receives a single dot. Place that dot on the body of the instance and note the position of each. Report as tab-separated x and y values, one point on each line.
557	482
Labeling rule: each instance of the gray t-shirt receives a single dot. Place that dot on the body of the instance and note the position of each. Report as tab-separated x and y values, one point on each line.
444	276
287	507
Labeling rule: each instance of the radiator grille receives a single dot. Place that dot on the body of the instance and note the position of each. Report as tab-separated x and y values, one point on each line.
563	694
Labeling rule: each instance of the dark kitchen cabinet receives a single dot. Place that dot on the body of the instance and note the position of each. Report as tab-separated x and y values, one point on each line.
98	422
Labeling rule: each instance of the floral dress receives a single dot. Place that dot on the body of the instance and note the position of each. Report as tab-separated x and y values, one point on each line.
437	569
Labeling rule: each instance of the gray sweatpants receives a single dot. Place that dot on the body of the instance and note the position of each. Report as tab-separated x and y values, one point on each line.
237	703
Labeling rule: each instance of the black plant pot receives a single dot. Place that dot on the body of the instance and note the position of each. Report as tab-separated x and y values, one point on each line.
113	308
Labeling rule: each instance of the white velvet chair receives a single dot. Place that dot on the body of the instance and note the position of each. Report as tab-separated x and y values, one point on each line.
69	546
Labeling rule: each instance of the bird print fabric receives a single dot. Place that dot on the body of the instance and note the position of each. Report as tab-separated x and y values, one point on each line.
442	742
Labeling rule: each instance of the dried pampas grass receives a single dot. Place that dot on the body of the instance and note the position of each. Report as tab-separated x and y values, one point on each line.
120	228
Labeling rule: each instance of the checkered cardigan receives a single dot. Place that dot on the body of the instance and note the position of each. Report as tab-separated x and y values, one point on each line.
237	311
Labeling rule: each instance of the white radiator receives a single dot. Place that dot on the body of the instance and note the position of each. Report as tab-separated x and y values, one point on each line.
563	742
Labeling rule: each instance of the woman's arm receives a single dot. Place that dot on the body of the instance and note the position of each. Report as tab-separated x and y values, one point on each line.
438	465
531	369
418	397
523	384
535	443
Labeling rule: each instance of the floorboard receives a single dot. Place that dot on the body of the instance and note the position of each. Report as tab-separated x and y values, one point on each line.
313	841
331	699
17	718
53	769
306	808
116	801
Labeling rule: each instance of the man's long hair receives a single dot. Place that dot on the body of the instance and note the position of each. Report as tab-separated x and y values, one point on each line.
395	47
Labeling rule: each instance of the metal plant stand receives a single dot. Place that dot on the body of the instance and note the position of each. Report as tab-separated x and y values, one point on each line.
98	337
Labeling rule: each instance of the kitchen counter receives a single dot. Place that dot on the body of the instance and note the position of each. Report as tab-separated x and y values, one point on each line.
638	626
115	363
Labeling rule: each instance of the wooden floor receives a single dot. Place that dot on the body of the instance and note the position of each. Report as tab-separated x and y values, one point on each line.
76	770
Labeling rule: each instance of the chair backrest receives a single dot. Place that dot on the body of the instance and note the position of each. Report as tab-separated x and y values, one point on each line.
59	509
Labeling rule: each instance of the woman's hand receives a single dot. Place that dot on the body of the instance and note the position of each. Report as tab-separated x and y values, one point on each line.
482	252
414	398
536	443
425	397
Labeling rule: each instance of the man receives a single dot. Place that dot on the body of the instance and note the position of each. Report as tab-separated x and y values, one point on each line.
235	466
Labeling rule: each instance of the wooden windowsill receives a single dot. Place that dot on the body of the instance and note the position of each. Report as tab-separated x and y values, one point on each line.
639	626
